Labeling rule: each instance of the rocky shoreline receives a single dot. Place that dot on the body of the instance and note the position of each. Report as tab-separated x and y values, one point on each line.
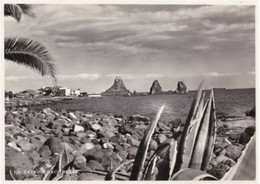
96	142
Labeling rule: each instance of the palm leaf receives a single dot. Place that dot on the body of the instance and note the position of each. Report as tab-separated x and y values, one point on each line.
143	148
31	54
17	10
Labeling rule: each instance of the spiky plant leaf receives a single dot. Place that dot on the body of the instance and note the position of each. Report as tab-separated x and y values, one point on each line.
182	144
111	175
17	10
59	170
157	152
205	139
245	168
140	158
167	166
192	174
200	140
30	53
211	137
192	133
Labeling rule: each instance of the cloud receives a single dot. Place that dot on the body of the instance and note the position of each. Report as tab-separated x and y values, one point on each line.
135	76
83	76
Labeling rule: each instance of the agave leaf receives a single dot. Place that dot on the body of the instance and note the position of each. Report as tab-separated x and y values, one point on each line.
200	140
211	137
192	174
11	174
143	148
192	133
111	174
205	139
245	168
59	170
150	175
167	166
192	114
160	148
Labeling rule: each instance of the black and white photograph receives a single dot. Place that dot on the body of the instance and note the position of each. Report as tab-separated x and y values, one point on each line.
120	92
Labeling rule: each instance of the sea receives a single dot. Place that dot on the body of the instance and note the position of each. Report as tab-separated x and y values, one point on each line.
234	102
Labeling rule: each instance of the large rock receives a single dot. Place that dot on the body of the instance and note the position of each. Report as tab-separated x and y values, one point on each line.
117	89
181	87
54	145
18	164
251	112
155	88
233	152
246	135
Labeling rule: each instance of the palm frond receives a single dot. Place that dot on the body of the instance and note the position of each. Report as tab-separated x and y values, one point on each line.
30	53
18	10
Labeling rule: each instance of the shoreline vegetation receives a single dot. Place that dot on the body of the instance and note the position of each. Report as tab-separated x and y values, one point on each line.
98	141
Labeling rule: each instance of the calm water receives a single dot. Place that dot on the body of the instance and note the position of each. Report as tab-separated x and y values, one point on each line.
231	101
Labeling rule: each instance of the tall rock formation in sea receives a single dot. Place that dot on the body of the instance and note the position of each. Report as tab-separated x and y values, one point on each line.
117	89
156	88
181	88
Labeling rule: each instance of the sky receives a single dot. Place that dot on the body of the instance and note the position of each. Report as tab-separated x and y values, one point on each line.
93	44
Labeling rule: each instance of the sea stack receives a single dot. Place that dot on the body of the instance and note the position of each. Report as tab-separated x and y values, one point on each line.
156	88
117	89
181	88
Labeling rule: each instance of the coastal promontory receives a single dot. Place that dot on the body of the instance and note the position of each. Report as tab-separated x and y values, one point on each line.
181	87
156	88
117	89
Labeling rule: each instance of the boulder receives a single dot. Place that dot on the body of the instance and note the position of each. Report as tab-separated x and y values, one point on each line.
246	135
54	145
36	142
251	112
133	142
96	127
94	154
181	87
132	152
138	117
14	146
72	116
233	152
155	88
84	148
78	128
25	145
117	89
92	164
80	160
44	152
17	163
153	145
161	138
126	129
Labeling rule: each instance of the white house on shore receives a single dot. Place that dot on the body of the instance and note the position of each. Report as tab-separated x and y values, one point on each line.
63	92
